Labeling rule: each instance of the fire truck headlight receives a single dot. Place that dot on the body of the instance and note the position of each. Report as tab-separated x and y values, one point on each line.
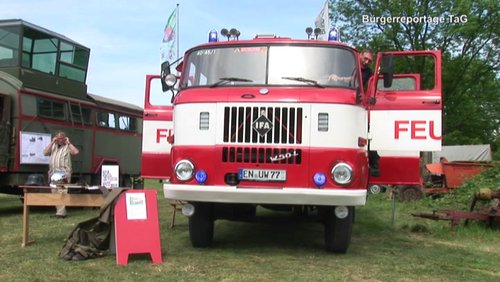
170	80
184	170
319	179
201	176
342	173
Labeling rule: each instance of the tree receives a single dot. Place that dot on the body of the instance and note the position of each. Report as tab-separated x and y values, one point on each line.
465	31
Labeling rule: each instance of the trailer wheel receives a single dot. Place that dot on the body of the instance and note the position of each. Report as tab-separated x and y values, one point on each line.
407	193
201	225
338	231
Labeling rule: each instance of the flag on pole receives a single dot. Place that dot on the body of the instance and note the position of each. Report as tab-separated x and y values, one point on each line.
323	20
167	49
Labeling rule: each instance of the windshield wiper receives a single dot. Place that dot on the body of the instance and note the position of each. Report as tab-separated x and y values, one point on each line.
301	79
224	80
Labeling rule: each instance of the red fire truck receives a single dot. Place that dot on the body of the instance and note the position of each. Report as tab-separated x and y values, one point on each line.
259	122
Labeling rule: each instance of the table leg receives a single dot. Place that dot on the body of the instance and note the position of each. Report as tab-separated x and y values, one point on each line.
26	211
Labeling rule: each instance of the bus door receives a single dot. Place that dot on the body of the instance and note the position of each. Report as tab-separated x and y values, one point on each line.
405	113
157	130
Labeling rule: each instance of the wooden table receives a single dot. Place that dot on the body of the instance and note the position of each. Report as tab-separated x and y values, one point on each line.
32	197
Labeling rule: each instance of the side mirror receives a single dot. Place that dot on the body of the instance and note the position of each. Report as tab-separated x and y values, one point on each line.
387	69
168	80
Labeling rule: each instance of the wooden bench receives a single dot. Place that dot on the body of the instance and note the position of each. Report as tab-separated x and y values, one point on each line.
32	197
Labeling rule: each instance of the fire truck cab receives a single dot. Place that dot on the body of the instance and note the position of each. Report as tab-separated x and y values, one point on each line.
285	124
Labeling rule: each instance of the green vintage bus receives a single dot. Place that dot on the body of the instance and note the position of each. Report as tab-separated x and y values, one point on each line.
42	90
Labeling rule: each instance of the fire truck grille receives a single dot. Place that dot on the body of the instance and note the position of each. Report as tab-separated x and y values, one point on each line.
263	125
261	155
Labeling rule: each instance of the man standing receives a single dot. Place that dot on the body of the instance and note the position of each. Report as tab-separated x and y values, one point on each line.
366	59
60	151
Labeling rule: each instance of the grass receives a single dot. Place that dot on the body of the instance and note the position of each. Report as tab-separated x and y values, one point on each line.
414	249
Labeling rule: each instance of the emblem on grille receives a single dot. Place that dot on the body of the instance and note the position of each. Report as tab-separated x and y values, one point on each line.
262	124
288	155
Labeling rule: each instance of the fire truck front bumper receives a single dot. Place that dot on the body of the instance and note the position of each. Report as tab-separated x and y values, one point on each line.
288	196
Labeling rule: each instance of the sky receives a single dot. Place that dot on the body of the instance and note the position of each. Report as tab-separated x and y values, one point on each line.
125	36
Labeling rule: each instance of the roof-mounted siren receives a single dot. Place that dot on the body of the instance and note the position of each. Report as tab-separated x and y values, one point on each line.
213	36
310	30
334	34
317	32
225	32
233	33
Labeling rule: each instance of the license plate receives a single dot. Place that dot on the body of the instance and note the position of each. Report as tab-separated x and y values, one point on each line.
262	174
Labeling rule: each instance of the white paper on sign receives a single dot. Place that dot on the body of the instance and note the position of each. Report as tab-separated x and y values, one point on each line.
136	206
110	176
32	145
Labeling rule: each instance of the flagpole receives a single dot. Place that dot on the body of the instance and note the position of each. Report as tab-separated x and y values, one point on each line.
177	33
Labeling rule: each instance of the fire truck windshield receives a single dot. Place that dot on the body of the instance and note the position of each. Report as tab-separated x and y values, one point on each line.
280	65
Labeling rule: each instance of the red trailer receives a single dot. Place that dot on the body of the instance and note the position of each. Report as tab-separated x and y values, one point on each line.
451	175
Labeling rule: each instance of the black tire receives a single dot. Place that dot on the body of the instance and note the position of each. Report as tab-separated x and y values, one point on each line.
407	193
338	231
201	225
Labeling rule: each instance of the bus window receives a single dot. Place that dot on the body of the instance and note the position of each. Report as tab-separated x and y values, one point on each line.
106	119
26	62
45	55
71	73
9	46
76	116
126	123
133	124
86	114
51	109
111	120
73	62
80	114
102	119
73	55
